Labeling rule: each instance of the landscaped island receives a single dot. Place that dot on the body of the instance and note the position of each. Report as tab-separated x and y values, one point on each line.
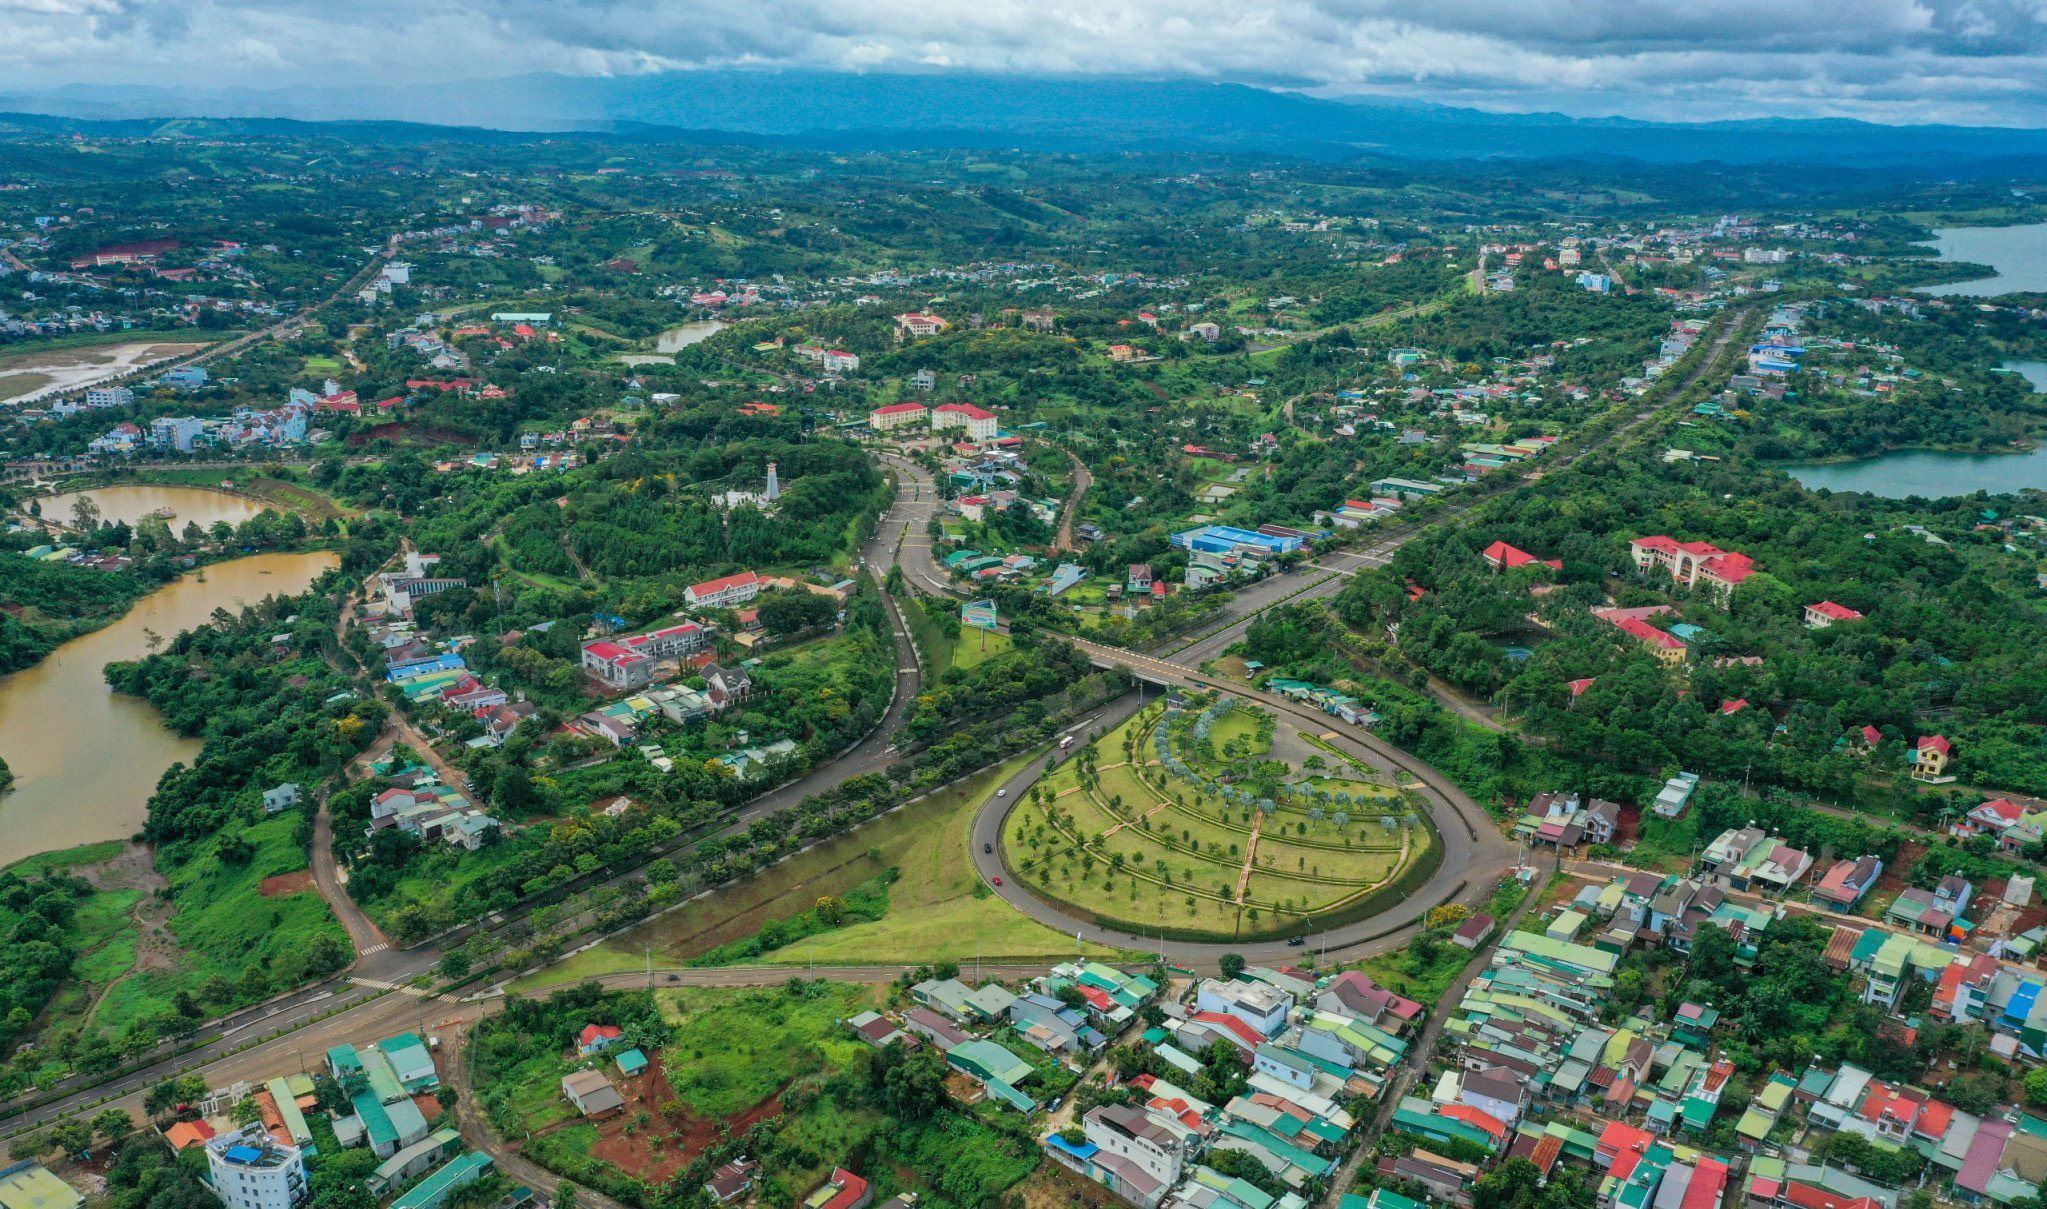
1208	820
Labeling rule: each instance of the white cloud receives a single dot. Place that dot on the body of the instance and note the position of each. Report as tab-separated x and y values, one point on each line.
1978	61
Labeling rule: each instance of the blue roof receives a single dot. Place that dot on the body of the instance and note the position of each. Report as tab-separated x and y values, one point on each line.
243	1154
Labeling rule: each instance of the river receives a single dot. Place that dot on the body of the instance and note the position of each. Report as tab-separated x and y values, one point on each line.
2018	254
133	501
85	758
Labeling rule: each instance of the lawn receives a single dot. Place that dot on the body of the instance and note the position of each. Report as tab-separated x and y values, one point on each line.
321	365
976	646
735	1047
926	840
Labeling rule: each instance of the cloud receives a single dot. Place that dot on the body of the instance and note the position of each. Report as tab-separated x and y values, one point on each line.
1976	61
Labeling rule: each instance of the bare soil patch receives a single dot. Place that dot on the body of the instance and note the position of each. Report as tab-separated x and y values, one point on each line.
282	884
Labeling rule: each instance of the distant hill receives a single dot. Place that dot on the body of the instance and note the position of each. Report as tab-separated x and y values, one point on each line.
901	111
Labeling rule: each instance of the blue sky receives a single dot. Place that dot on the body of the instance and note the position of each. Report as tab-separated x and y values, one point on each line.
1977	61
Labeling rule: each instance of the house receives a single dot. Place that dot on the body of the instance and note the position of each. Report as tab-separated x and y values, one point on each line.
725	592
1503	557
283	797
979	423
1930	757
1138	579
629	662
731	1181
1132	1154
1936	912
948	995
1676	795
592	1093
1847	881
1474	932
1694	564
596	1038
1826	612
843	1190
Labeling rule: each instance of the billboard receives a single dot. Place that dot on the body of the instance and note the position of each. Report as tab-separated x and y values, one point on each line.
978	614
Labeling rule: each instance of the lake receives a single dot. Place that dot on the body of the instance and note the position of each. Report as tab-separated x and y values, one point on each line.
132	502
2019	254
1927	472
2034	372
85	758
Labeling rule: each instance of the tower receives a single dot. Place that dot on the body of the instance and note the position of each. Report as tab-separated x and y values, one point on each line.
774	491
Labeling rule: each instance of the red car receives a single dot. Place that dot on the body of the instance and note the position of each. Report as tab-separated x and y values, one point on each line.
998	881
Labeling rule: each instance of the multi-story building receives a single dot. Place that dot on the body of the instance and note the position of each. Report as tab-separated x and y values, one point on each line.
251	1170
109	396
724	593
979	422
1694	564
897	415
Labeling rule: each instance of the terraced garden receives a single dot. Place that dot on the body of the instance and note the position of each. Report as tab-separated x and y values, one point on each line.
1195	823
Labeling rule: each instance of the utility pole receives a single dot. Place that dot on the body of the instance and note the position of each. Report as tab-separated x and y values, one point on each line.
650	967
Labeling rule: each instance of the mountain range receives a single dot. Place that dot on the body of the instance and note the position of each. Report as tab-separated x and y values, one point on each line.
866	111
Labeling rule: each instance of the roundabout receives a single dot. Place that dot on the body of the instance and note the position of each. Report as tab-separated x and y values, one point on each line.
1409	841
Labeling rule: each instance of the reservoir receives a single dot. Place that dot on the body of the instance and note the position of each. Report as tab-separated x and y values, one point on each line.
132	502
1928	473
2019	254
86	759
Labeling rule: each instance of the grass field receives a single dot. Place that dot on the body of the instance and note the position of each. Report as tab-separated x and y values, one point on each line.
1152	849
970	649
735	1047
934	913
226	926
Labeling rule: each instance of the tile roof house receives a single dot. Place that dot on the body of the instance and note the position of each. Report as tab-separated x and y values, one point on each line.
1825	613
591	1093
1847	881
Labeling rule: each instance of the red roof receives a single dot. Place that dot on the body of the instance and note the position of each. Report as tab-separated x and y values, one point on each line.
1500	554
593	1033
1578	687
1935	743
1709	1183
1635	627
1249	1035
1805	1196
712	586
1839	612
188	1133
964	409
1733	707
851	1189
1476	1117
1871	734
898	409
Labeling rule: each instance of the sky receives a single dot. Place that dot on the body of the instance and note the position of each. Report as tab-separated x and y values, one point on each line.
1978	62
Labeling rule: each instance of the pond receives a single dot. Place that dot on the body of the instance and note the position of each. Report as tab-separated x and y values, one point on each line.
2018	254
1927	472
2034	372
675	339
86	758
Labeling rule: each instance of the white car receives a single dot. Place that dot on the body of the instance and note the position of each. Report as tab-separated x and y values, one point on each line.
1002	793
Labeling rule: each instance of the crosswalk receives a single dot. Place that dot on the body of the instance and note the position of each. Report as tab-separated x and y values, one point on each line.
372	949
401	988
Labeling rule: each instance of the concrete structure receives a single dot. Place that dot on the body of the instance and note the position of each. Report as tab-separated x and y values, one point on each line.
251	1170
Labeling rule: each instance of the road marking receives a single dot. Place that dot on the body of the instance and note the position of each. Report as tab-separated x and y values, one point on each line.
374	949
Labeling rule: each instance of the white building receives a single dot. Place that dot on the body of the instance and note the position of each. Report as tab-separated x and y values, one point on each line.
109	396
979	422
724	593
251	1170
1263	1007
